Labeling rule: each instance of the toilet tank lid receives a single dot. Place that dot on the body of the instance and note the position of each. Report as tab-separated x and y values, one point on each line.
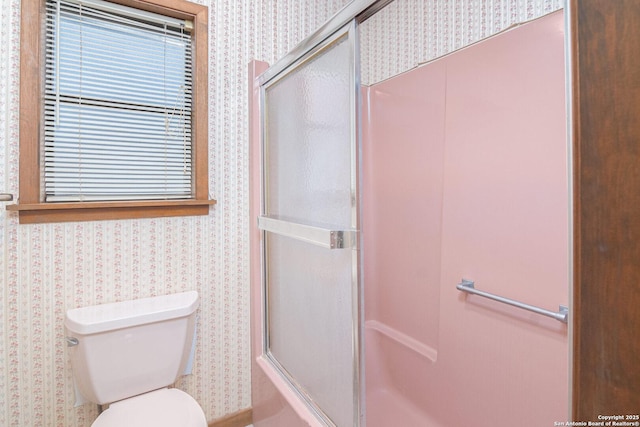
118	315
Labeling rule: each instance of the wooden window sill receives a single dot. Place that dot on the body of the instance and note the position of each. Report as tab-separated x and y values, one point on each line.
37	213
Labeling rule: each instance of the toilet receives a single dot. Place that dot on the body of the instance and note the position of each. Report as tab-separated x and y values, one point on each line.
128	354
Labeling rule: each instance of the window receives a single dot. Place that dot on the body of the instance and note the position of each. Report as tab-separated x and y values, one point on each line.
117	104
113	114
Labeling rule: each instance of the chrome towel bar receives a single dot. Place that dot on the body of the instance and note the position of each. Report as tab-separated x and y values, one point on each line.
329	239
562	315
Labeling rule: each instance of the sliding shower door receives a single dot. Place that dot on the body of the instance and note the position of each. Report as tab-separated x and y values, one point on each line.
310	222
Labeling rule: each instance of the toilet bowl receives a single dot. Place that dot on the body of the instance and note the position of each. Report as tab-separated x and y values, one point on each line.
128	354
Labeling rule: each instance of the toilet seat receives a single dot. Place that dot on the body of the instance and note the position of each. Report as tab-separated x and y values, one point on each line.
160	408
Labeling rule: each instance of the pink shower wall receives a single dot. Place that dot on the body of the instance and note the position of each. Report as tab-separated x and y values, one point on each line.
465	176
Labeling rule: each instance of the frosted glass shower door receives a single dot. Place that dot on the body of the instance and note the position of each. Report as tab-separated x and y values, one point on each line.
310	222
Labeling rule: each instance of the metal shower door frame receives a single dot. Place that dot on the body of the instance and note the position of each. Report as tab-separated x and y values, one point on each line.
348	239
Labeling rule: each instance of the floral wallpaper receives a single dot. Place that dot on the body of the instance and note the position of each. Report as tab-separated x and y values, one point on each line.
409	32
46	269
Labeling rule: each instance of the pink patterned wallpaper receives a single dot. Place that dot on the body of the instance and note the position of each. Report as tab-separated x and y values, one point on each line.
46	269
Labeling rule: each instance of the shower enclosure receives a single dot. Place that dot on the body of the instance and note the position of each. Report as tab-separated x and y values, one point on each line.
410	224
310	220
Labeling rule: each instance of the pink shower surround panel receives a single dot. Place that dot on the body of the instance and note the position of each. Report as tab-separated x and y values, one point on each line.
465	176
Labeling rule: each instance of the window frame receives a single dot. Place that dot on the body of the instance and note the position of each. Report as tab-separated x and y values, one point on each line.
31	207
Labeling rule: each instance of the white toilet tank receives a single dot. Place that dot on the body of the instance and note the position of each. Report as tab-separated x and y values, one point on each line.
132	347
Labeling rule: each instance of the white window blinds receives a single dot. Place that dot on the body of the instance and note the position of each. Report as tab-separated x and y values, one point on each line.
118	92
